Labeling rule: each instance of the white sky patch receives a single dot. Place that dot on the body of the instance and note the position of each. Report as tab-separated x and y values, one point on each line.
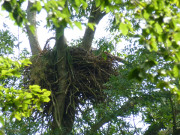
167	19
143	24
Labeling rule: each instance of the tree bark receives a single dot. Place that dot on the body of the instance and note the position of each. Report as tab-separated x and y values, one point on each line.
33	37
95	16
58	113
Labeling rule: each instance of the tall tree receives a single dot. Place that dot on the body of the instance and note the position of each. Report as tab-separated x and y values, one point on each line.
75	75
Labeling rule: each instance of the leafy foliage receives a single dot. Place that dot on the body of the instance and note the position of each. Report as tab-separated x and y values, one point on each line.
7	42
17	102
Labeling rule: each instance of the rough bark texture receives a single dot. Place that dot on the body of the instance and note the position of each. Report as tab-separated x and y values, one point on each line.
59	126
60	98
95	16
33	38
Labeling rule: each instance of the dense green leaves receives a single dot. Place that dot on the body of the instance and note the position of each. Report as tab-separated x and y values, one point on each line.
14	8
7	42
20	102
16	101
37	6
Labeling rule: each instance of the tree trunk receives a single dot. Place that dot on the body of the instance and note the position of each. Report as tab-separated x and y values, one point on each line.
59	115
33	38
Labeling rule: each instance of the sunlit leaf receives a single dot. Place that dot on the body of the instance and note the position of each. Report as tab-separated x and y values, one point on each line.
32	29
17	115
91	25
145	14
78	2
78	24
158	28
46	99
177	36
47	93
124	29
38	6
175	71
2	120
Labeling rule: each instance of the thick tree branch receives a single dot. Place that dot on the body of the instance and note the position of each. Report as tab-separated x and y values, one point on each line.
33	38
95	16
120	112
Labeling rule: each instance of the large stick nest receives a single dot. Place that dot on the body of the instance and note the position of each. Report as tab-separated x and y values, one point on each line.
87	75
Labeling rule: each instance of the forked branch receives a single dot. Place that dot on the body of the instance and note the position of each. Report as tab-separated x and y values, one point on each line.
95	16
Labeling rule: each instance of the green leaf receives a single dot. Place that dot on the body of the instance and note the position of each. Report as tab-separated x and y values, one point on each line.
28	95
98	3
85	4
158	28
17	115
35	88
78	24
91	25
153	44
2	132
27	101
107	9
38	104
177	2
175	71
177	37
46	99
124	29
1	120
32	29
78	2
145	14
24	106
7	6
38	6
47	93
26	62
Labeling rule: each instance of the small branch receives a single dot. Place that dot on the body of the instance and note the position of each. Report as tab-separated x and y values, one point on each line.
120	112
173	114
46	46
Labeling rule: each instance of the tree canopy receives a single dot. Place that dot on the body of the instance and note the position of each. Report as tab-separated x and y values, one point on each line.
77	90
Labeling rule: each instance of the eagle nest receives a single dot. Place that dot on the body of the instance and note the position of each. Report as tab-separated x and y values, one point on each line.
87	74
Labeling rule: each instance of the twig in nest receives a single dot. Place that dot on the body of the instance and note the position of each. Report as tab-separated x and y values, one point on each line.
46	46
